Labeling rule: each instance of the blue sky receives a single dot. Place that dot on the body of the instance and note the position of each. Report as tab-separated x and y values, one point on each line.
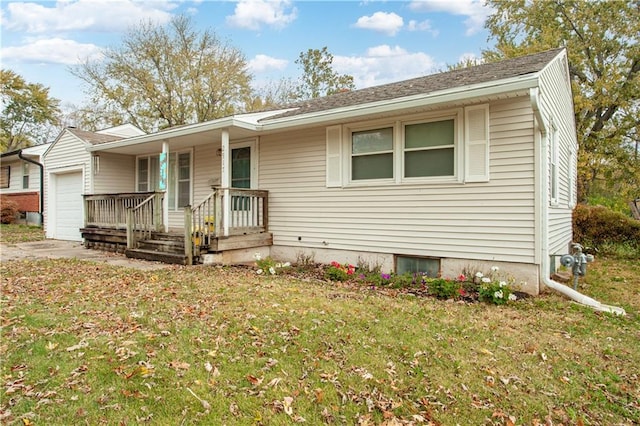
374	41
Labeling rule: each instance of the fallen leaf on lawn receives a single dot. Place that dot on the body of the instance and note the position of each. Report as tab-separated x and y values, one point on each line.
255	381
82	344
204	403
51	346
179	365
286	403
208	367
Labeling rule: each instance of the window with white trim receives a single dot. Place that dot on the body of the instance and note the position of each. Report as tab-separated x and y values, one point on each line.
25	175
447	146
372	154
178	176
553	165
429	149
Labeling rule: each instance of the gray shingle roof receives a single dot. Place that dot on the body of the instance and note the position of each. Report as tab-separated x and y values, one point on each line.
423	85
92	137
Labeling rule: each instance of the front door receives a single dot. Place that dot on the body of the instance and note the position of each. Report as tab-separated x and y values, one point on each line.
242	177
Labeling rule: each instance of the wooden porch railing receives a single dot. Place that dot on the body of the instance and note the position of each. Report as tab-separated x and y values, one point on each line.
110	210
144	219
248	214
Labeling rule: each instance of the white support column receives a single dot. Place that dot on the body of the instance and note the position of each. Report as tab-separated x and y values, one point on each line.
164	184
225	182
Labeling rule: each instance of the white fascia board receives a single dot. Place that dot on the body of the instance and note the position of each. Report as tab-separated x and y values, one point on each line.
220	123
243	121
450	95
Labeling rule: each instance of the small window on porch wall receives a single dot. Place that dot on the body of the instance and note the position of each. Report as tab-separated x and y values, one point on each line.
179	177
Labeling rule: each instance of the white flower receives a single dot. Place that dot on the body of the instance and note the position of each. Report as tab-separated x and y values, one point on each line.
272	270
479	275
257	256
513	297
286	264
498	294
486	280
503	283
259	271
278	265
494	269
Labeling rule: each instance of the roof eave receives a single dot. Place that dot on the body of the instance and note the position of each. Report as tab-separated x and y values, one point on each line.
444	96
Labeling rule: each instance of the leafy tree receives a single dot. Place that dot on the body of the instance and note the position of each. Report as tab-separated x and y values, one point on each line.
28	112
319	78
602	41
161	77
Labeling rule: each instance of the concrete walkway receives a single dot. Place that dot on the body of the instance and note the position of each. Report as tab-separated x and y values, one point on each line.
56	249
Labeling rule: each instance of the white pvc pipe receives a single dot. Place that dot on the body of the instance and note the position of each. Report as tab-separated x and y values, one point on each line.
544	261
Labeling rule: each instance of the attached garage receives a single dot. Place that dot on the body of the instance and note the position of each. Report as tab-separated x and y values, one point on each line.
67	207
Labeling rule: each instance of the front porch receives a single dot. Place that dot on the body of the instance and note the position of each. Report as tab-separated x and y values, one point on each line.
136	224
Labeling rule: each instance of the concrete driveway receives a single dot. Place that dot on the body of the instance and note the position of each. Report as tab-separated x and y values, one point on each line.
56	249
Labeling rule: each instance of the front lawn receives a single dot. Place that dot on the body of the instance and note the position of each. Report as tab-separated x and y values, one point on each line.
86	343
20	233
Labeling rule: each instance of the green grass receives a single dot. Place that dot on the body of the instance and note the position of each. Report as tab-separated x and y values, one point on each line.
20	233
86	343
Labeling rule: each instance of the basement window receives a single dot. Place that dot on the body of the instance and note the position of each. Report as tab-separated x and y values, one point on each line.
428	266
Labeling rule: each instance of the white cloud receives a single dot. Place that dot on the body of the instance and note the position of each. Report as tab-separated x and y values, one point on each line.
264	63
414	25
252	14
475	11
388	23
95	15
385	64
51	51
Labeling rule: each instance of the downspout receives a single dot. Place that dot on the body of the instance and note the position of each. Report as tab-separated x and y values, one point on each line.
40	212
544	212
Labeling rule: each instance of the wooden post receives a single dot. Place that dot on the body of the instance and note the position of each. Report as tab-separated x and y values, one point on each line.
188	236
217	208
130	230
158	217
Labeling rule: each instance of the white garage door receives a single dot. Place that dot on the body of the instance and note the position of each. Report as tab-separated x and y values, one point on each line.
69	217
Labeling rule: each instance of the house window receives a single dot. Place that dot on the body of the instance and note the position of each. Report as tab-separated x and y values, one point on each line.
429	267
25	175
429	149
446	146
554	165
5	176
179	177
372	154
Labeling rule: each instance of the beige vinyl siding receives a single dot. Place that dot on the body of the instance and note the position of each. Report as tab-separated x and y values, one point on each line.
15	178
114	173
484	221
66	154
557	100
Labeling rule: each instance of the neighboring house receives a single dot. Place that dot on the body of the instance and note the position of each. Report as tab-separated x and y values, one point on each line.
69	172
451	172
20	181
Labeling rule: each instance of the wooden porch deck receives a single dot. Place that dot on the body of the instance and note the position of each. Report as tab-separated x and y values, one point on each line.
133	224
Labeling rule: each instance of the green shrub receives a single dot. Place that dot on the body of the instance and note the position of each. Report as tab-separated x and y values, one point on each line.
8	211
444	289
602	228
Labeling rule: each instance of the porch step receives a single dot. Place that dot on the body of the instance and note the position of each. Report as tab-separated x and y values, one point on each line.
163	245
158	256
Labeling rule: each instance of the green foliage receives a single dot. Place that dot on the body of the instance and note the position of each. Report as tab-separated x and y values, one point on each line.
8	210
162	77
319	78
339	272
268	266
603	45
443	288
495	292
28	113
20	233
606	230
